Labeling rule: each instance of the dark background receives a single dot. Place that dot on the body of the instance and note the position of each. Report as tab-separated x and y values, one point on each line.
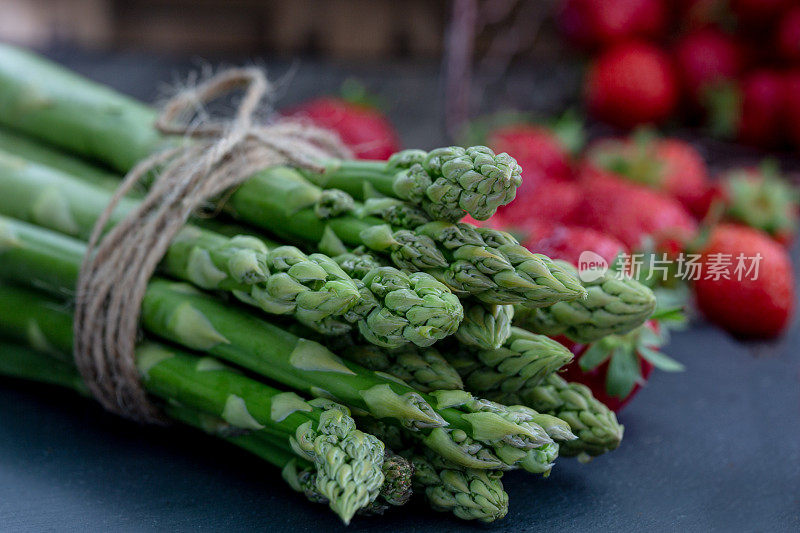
714	448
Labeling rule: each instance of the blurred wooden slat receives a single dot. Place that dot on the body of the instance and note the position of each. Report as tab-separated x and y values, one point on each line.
340	29
87	23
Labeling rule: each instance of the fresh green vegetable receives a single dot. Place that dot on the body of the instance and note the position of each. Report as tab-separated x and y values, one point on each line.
594	424
390	308
467	493
46	101
524	360
297	471
281	280
446	183
347	461
485	326
478	433
615	305
424	369
49	103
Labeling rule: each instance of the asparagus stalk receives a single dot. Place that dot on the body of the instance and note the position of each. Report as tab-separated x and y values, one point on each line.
97	123
184	315
615	305
23	362
49	102
595	425
389	307
467	493
446	183
413	307
515	376
479	434
64	109
524	360
347	461
297	471
485	326
397	308
282	280
396	213
27	148
20	361
424	369
470	494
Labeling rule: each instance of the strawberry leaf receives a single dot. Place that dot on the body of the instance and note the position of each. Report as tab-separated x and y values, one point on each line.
623	373
673	314
660	360
570	131
648	338
594	356
355	92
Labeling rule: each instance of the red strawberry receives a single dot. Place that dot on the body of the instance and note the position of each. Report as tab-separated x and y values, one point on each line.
751	109
788	35
631	212
592	23
615	368
792	106
763	101
568	242
668	165
760	303
363	129
762	199
538	150
704	59
552	202
630	84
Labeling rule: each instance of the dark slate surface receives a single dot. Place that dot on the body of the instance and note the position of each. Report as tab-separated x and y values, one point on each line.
714	448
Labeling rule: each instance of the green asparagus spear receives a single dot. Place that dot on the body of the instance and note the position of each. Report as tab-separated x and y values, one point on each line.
390	308
298	472
23	362
485	326
282	280
49	102
179	313
424	369
52	104
595	424
615	305
478	434
523	373
29	149
396	307
524	360
446	183
396	213
347	461
467	493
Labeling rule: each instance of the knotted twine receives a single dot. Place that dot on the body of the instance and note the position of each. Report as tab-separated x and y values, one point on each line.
217	156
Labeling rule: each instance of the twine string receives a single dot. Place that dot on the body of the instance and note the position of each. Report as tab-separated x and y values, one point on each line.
217	155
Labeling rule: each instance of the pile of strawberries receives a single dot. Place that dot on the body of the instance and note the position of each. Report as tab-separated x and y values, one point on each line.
642	192
650	197
731	65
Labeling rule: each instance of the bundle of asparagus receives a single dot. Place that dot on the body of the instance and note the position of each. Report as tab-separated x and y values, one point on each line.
382	305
